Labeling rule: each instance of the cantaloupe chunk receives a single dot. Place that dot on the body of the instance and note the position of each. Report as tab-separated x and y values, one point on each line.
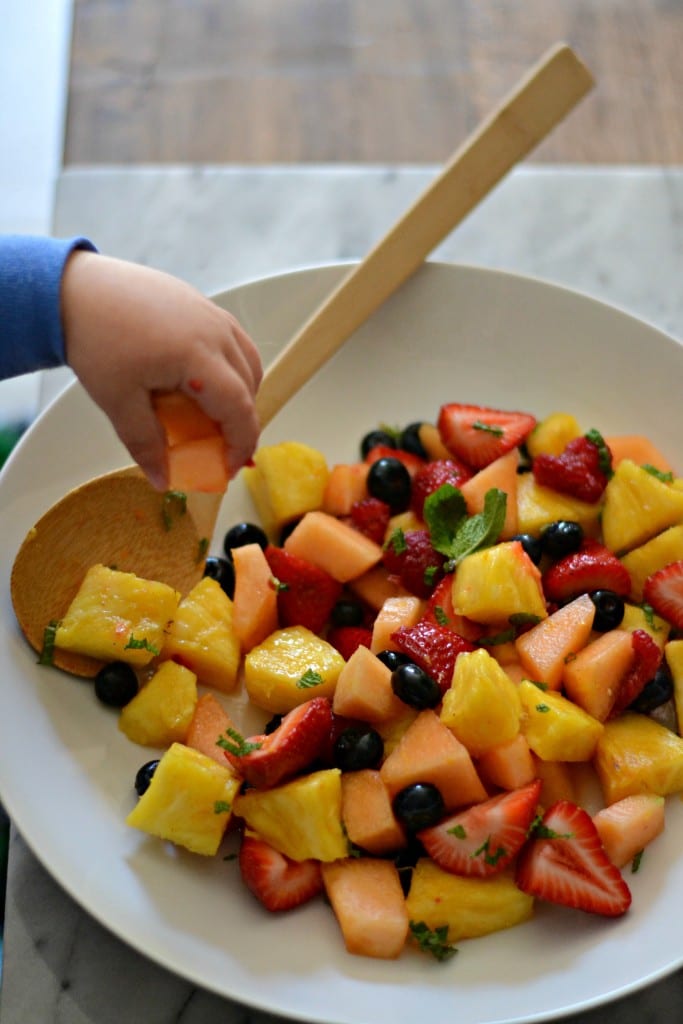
629	825
182	418
255	600
364	690
638	449
558	781
429	752
346	484
509	765
333	545
198	466
545	648
394	613
375	586
368	902
367	813
502	474
209	721
592	679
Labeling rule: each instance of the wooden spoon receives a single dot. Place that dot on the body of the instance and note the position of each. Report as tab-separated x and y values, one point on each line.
118	519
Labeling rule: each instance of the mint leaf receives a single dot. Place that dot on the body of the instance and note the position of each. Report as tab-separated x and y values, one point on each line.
309	678
604	454
444	511
433	940
48	649
666	478
237	745
481	530
142	644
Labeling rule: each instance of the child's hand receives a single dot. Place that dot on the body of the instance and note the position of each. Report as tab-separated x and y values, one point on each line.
130	330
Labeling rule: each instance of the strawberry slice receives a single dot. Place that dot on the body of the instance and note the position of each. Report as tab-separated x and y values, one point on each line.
371	518
567	864
663	590
434	475
647	657
485	838
592	567
346	639
306	593
277	881
434	648
266	760
479	435
577	471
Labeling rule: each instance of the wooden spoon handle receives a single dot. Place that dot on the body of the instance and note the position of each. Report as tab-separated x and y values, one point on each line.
538	102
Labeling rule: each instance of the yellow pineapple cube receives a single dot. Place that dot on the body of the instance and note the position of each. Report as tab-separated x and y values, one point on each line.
552	435
202	637
635	754
637	617
189	801
301	818
637	506
469	907
482	707
538	506
286	481
555	728
289	667
654	554
673	652
117	616
160	714
492	585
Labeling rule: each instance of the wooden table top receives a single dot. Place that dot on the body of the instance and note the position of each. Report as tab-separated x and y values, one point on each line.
386	81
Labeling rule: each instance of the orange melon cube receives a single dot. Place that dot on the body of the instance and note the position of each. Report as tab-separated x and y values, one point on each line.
182	419
545	649
333	545
429	752
509	765
376	586
255	600
364	690
368	902
638	449
557	781
502	474
367	813
395	612
209	721
592	679
198	465
627	826
346	484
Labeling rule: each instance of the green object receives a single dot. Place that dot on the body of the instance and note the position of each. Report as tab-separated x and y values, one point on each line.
9	435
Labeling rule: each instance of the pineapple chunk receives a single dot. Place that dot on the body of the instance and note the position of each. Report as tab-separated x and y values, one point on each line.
673	652
117	616
160	714
202	637
635	754
286	481
555	728
470	907
289	667
482	707
302	818
552	435
637	506
189	801
636	617
537	506
654	554
494	584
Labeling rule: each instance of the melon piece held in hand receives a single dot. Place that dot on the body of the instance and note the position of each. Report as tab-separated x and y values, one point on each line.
368	902
196	456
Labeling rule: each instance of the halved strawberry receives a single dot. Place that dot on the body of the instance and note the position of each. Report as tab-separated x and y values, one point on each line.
434	475
306	593
277	881
434	648
347	638
577	471
592	567
565	863
647	657
486	837
410	461
478	435
663	590
266	760
371	518
439	610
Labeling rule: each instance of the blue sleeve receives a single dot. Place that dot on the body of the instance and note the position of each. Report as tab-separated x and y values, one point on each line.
31	334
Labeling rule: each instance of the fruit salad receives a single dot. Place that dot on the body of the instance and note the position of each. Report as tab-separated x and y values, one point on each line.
465	647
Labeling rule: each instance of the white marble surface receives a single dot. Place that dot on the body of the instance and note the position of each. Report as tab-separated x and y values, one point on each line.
613	233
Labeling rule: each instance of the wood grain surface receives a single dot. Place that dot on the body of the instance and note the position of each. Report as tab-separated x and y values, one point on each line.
300	81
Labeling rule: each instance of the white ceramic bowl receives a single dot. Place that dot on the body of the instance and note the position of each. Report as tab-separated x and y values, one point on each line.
452	334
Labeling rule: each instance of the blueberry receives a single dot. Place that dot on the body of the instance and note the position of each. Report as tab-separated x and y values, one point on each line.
144	776
389	480
609	610
392	659
410	441
561	538
272	724
418	806
347	613
532	546
116	684
223	572
656	692
286	530
358	747
376	439
244	533
415	687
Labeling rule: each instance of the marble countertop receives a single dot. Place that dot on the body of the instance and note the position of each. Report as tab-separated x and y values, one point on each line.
614	233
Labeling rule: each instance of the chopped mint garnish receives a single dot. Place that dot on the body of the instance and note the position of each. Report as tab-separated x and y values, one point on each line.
434	941
221	807
440	615
202	548
649	613
140	645
636	862
666	478
524	619
429	575
46	656
604	454
309	678
540	831
277	584
504	637
237	745
489	428
541	686
489	857
455	534
173	502
543	708
397	541
458	831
